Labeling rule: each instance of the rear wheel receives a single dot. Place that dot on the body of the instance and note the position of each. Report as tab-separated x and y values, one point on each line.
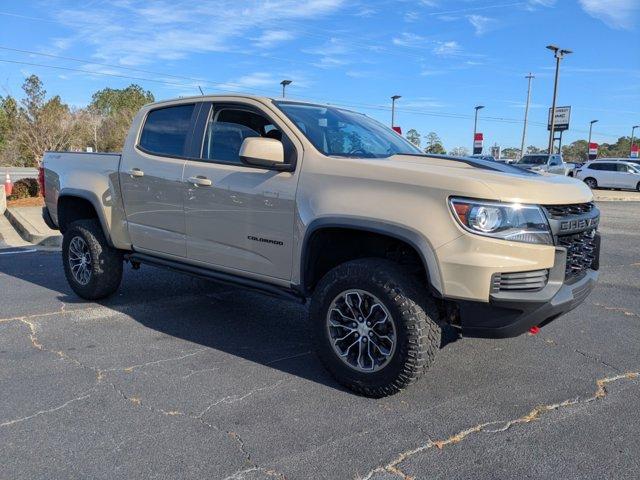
93	268
591	182
376	329
638	187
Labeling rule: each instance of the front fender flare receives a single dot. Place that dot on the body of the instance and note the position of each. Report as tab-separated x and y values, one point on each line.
412	237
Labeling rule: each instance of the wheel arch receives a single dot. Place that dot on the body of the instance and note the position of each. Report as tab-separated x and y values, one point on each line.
357	226
75	204
590	178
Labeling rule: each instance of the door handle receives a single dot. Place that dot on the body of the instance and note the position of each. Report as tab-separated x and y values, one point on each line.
136	172
200	181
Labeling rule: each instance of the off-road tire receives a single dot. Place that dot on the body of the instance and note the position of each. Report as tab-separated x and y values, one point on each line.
106	261
595	182
414	314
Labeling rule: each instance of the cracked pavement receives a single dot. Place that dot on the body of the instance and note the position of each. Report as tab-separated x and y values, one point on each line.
175	377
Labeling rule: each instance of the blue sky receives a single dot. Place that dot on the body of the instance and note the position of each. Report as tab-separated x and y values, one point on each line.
443	57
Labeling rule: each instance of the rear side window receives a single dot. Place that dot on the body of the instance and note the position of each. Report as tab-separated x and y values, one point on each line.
165	130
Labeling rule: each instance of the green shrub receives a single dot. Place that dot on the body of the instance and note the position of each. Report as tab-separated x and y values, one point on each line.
20	190
25	188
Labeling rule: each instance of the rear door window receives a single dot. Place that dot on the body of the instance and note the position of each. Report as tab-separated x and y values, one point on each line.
166	130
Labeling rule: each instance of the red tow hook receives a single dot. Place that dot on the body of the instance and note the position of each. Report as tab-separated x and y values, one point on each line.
534	330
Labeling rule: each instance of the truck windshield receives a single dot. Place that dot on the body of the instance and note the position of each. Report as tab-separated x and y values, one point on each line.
533	160
342	133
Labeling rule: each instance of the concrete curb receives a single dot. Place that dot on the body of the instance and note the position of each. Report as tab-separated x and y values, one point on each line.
3	200
30	232
617	199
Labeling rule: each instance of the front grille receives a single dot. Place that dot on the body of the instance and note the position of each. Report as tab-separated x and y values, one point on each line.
582	252
519	281
561	211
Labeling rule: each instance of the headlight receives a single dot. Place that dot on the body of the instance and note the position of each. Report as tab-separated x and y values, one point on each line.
507	221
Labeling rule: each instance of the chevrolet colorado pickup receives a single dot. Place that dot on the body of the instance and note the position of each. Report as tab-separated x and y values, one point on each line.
312	202
546	163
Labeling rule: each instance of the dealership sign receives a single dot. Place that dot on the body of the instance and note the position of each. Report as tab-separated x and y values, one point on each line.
562	117
593	151
634	151
477	143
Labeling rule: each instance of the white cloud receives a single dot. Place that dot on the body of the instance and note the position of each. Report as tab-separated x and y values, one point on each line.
134	32
540	3
481	23
257	79
410	17
332	53
270	38
618	14
426	72
447	49
407	39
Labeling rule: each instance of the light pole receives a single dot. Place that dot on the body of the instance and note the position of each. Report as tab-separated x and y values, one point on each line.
526	113
393	109
559	54
284	83
633	129
590	130
475	124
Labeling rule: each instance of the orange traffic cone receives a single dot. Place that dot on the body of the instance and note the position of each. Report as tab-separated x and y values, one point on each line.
8	185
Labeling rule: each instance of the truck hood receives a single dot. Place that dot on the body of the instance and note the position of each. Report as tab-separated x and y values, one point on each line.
508	183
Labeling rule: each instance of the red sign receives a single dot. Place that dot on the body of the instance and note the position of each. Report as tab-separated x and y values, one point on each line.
398	130
593	149
477	143
634	151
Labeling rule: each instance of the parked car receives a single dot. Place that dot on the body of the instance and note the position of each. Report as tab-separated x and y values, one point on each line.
315	203
542	162
631	160
610	174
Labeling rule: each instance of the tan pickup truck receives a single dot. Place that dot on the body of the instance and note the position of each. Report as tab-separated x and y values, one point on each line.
313	202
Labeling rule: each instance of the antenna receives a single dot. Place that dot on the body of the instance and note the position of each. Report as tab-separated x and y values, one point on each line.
201	92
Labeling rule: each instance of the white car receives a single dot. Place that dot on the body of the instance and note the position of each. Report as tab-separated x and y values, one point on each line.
610	174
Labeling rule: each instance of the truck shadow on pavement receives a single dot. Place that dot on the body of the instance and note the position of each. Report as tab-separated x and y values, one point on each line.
252	326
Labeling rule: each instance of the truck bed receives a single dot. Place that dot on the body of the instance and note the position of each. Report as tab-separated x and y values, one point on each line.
70	171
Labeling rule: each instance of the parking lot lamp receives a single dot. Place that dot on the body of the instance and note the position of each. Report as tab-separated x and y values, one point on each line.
284	83
559	54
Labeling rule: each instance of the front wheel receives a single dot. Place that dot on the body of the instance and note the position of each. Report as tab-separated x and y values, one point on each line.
376	329
591	183
93	268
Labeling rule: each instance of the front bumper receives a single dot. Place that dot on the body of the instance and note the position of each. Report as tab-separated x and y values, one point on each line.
509	314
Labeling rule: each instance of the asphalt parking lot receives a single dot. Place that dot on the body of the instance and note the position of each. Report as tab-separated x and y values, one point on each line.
176	377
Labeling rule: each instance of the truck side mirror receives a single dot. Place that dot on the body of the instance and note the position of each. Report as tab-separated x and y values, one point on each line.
263	152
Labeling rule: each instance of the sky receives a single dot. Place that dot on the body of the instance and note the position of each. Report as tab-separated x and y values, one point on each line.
443	57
